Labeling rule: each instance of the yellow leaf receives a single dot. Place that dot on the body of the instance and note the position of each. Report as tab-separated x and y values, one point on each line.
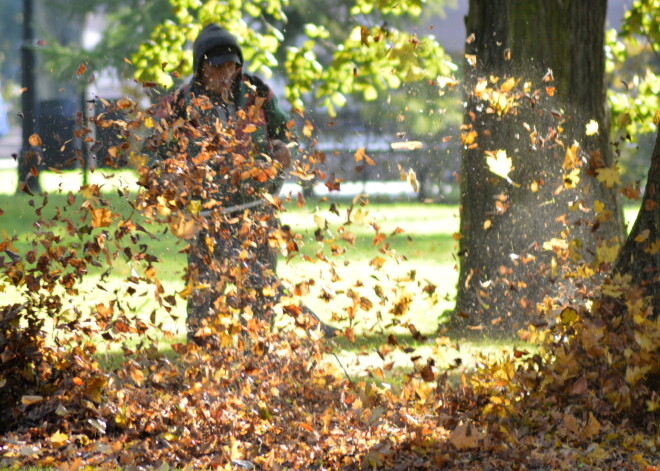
568	315
624	119
635	373
58	439
653	249
94	387
138	160
656	118
607	253
555	243
571	159
194	207
30	400
499	163
609	176
642	236
508	85
592	428
468	138
592	127
572	179
407	145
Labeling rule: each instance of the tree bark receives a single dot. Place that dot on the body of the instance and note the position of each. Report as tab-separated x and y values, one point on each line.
506	277
640	255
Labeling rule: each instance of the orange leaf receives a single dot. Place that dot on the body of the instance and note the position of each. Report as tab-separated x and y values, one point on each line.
35	140
101	217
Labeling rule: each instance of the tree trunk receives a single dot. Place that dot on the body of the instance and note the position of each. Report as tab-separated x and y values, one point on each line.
640	255
507	278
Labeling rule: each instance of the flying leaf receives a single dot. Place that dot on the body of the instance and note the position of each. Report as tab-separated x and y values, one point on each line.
609	176
30	400
94	387
412	179
35	140
500	164
407	145
101	217
592	128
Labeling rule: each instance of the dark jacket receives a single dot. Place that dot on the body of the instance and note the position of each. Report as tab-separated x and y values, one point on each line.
237	150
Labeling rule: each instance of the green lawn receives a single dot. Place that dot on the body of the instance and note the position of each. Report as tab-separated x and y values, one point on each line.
421	256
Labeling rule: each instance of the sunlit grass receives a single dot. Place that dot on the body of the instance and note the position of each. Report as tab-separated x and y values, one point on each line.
420	253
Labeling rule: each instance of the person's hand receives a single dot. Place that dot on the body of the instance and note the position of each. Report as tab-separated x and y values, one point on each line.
281	153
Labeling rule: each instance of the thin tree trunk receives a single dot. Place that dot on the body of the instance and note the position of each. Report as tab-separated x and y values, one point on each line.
640	255
506	277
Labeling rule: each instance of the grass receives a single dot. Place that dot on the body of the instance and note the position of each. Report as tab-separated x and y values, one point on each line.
420	244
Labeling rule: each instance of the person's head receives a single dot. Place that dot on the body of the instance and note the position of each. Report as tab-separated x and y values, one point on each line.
217	73
217	59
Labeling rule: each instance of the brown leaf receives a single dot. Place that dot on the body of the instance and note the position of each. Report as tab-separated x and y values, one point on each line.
580	387
465	436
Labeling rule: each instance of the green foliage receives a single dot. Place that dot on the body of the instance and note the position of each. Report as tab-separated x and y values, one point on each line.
634	62
166	56
366	61
129	23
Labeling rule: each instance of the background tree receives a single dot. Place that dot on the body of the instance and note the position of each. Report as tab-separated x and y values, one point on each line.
534	206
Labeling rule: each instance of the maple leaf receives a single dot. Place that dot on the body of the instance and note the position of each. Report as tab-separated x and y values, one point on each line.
101	217
592	128
609	176
500	164
58	439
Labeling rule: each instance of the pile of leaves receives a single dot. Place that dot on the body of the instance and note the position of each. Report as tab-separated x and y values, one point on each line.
274	402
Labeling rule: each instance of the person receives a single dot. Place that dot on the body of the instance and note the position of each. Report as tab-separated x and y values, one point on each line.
227	144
